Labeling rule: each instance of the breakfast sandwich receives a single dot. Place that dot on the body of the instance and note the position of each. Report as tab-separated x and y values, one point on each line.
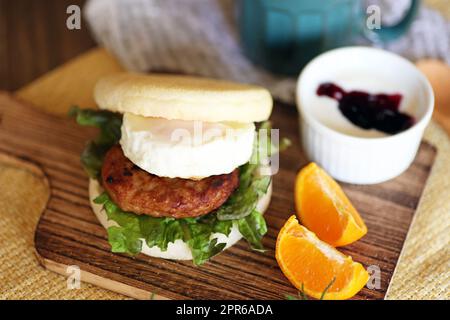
175	170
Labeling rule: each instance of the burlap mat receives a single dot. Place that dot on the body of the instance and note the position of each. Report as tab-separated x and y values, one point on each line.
23	194
423	269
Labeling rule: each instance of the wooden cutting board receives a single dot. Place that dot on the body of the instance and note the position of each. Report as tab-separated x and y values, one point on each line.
69	234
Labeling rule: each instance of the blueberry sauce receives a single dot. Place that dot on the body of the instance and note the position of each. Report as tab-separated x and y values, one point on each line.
369	111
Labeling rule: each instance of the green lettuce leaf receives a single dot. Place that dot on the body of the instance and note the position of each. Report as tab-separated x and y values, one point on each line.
124	240
198	237
109	124
245	198
253	227
252	186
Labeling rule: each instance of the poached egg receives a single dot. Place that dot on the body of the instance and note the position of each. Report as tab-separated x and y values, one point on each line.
186	149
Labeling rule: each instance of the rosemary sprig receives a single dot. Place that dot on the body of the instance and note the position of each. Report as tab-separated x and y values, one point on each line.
327	287
302	295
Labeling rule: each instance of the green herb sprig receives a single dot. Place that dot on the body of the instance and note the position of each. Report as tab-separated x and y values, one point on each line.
302	295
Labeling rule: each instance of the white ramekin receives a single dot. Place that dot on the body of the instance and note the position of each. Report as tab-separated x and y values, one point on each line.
362	160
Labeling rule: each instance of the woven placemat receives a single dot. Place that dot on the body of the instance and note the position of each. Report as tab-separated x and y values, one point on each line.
23	195
423	269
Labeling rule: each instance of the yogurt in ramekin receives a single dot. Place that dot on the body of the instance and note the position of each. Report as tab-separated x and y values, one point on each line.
347	152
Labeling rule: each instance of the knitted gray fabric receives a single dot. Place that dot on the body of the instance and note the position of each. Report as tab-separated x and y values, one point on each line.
199	37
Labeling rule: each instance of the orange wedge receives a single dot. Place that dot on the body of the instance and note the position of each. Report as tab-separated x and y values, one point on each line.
324	208
311	265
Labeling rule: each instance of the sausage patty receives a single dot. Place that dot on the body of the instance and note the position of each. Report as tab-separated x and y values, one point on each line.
140	192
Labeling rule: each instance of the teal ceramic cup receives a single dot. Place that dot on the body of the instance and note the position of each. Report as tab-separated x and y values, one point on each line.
283	35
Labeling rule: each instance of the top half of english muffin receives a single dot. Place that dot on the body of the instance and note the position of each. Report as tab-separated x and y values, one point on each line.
183	98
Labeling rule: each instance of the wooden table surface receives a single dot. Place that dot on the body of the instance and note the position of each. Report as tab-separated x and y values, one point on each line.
34	39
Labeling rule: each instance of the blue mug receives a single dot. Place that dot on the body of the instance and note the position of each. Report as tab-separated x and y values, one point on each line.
283	35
